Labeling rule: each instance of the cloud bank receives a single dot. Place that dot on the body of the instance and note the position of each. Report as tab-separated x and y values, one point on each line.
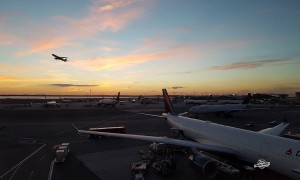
248	65
73	85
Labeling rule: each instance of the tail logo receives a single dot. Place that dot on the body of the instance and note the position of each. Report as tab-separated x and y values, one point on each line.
289	152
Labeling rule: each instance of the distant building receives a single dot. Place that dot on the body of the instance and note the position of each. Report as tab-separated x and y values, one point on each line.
298	95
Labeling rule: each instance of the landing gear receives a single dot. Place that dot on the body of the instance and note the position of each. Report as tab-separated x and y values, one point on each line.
165	166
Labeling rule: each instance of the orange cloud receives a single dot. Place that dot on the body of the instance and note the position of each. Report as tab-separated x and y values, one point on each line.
148	44
47	44
41	46
7	39
247	65
117	62
8	78
99	22
106	8
15	69
68	30
198	50
121	62
111	5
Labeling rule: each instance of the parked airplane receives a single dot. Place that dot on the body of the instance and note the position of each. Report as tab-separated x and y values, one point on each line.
52	104
242	145
65	59
109	102
136	100
198	102
149	100
218	109
230	101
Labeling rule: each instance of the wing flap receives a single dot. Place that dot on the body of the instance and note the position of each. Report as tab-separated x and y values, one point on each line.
166	140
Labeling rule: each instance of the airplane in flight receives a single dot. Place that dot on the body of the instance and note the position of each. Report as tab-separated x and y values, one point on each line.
198	102
218	109
65	59
242	145
109	102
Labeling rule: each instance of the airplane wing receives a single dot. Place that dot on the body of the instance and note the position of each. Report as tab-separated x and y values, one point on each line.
182	114
211	148
277	130
296	171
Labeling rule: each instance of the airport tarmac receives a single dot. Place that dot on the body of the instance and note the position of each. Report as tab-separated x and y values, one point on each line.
29	136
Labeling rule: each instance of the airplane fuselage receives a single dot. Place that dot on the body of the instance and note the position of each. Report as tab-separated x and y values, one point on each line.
283	154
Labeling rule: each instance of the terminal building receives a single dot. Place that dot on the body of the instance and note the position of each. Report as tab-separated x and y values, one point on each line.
297	95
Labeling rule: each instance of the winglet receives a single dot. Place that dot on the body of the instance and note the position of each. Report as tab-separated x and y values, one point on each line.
168	105
277	130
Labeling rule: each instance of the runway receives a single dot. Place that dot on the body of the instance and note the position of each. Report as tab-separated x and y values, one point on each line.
29	137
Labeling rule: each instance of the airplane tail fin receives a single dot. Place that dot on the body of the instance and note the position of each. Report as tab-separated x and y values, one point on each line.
209	98
168	105
247	99
118	97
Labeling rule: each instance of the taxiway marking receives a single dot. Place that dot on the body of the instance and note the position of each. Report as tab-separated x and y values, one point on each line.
20	163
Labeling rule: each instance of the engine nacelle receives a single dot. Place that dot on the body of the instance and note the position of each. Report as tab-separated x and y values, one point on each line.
209	166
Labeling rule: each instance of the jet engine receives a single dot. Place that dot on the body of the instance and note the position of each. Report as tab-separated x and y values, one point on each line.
209	166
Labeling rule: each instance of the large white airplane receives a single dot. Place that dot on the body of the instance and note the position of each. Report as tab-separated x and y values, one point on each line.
109	102
282	154
218	109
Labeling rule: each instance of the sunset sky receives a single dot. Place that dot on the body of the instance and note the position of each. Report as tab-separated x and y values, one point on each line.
141	46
